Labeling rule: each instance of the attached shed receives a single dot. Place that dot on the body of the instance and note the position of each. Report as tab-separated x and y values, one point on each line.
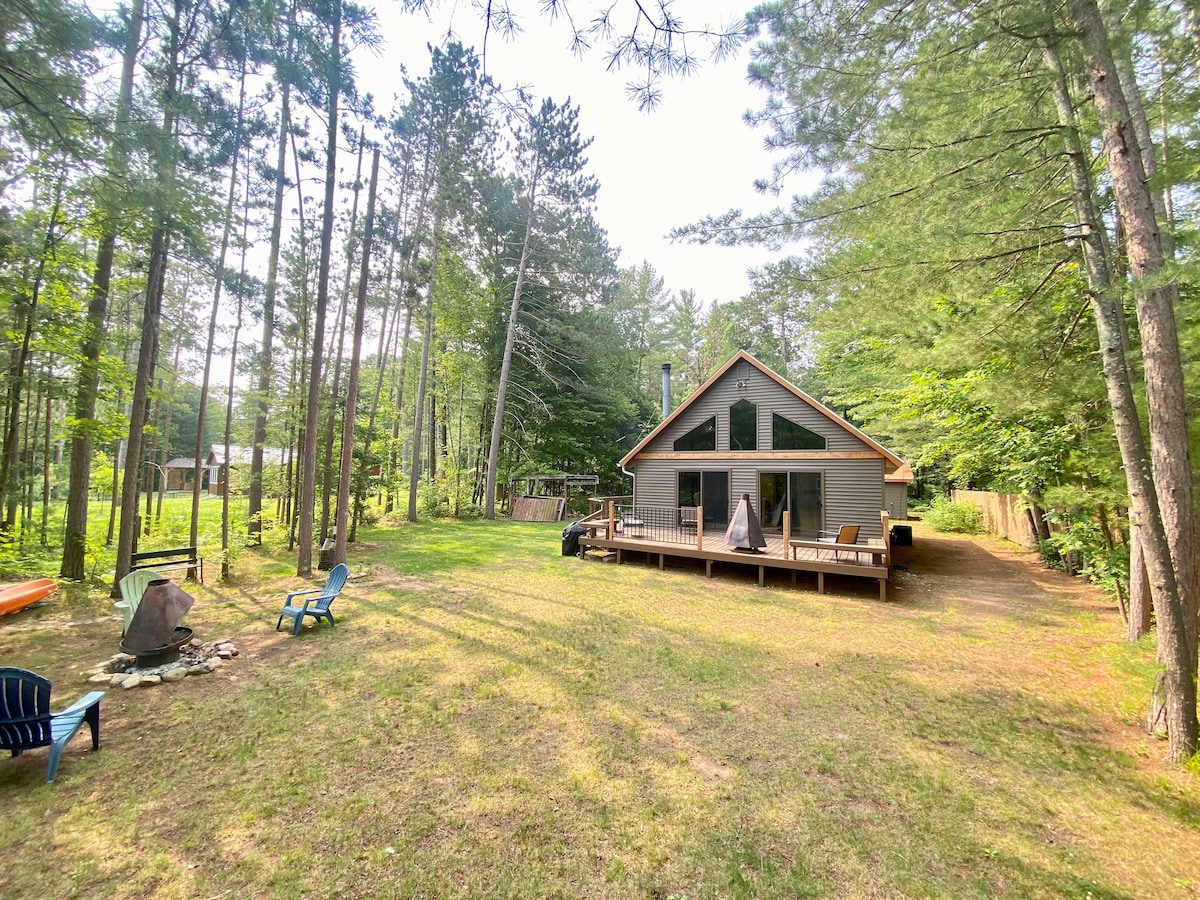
747	430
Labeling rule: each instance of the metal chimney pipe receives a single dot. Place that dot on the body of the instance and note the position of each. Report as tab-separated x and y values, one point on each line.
666	393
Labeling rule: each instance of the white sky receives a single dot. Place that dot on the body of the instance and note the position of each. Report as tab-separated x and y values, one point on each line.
692	156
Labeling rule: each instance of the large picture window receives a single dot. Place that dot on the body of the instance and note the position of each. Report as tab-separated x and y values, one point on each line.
787	435
743	426
702	437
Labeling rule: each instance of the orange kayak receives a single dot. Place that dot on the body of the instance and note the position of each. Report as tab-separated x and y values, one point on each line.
18	596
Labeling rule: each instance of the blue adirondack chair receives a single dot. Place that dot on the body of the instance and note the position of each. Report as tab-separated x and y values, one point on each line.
26	721
316	606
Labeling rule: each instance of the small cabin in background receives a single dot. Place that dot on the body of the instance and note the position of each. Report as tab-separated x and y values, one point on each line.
219	471
747	430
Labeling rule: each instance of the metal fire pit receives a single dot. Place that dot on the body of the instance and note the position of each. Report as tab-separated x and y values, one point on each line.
157	656
154	635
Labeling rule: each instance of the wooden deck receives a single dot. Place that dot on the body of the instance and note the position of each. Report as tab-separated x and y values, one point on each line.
682	542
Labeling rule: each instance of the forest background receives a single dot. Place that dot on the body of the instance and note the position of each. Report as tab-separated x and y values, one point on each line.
973	282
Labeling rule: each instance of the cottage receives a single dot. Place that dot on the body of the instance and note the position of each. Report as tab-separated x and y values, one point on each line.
748	431
239	458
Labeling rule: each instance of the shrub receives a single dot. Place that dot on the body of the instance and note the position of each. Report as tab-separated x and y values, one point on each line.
960	518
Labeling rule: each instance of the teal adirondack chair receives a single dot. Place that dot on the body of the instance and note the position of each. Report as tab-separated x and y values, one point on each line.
26	721
317	606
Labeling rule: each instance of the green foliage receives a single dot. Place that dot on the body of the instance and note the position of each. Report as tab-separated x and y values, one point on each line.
959	518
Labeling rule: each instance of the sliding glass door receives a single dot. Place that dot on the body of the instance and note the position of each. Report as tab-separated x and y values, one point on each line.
796	492
707	489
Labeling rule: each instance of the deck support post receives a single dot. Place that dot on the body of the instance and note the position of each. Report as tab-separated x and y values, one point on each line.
761	575
708	568
883	590
618	556
699	527
820	578
662	562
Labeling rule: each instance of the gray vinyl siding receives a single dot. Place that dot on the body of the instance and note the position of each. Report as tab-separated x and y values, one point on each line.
766	394
896	496
854	495
852	488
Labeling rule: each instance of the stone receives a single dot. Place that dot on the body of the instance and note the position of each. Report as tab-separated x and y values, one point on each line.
195	642
213	664
151	679
101	678
225	654
173	675
131	681
198	670
123	659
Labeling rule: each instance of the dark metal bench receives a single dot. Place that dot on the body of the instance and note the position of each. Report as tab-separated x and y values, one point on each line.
162	560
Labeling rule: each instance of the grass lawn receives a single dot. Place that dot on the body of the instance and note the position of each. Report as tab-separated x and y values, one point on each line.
490	718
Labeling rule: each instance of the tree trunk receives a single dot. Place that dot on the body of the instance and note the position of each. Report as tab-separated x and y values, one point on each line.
263	392
218	285
1139	591
360	311
423	378
394	456
79	485
308	458
46	454
489	497
151	468
9	462
233	353
1156	298
1148	521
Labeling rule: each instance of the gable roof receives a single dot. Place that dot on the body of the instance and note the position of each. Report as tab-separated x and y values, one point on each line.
895	463
242	456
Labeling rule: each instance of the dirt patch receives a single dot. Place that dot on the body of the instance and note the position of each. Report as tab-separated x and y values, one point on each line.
988	575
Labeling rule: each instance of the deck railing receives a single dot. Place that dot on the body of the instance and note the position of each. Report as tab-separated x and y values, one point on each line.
664	524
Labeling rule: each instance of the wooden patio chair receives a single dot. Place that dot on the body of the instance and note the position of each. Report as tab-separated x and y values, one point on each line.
847	534
318	606
687	517
26	721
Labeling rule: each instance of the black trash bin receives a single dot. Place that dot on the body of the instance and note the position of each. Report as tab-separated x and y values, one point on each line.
571	535
901	535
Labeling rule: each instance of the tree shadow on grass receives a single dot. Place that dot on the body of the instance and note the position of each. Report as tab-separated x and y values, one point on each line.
974	770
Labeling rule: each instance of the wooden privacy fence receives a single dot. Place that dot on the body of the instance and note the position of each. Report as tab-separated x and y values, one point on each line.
1003	514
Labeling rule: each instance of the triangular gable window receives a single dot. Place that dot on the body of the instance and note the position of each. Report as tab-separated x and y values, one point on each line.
702	437
787	435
